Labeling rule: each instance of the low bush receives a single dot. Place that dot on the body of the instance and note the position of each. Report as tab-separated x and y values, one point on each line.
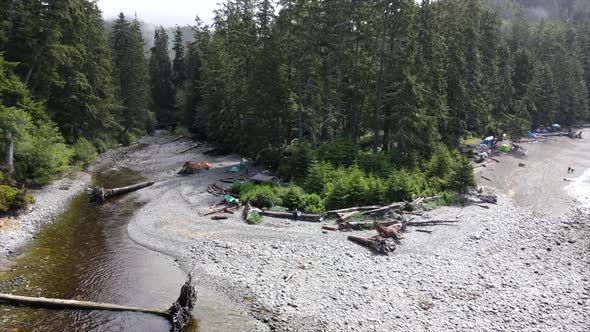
182	131
319	176
12	199
463	178
312	203
405	185
298	158
42	155
349	188
343	152
2	178
262	196
378	164
254	218
291	196
84	152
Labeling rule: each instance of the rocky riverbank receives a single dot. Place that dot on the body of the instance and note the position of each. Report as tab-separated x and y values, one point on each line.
50	201
503	268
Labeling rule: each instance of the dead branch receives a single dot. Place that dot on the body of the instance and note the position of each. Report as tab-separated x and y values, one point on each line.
190	148
485	178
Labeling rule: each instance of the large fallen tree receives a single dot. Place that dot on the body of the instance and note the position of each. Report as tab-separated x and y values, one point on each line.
179	314
290	215
99	194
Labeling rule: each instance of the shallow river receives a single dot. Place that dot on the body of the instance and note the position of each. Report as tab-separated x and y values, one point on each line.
87	255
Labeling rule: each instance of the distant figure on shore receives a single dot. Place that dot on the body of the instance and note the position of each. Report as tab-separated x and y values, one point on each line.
570	170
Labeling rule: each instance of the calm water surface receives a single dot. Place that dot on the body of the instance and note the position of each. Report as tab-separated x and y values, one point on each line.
87	255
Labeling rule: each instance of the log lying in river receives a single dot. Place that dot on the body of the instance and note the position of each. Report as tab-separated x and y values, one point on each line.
42	302
179	314
99	194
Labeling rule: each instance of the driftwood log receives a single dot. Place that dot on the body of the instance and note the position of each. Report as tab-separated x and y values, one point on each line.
179	314
289	215
377	243
351	209
99	194
190	148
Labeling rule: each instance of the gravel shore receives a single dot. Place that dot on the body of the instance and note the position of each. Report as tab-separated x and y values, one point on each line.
500	269
50	201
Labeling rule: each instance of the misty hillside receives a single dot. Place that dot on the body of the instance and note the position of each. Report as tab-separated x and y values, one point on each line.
542	9
148	30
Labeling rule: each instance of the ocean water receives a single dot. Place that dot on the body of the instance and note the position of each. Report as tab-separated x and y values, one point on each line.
579	188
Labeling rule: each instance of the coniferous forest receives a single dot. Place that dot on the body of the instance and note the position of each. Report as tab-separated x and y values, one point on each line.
373	86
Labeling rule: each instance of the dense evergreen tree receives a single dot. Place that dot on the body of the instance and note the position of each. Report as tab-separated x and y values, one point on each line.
162	87
130	72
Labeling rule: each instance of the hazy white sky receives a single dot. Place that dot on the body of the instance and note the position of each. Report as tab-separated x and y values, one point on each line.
161	12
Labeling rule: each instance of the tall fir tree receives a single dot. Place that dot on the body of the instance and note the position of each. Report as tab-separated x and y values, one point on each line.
161	84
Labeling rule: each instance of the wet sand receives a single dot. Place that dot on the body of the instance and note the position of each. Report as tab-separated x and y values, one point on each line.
540	185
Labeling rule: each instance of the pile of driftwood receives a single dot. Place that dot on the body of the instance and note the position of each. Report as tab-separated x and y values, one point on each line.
217	191
389	233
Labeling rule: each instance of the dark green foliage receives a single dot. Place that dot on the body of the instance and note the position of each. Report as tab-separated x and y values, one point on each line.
262	196
463	178
162	87
130	73
319	176
39	150
292	197
349	188
378	164
298	158
342	152
84	152
405	185
441	167
12	199
41	156
312	203
254	218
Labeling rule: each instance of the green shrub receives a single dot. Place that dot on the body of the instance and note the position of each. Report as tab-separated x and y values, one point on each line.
2	178
319	176
12	199
292	197
261	197
441	167
182	131
405	185
312	203
462	179
341	152
376	191
296	162
42	155
254	218
378	164
239	187
349	188
84	152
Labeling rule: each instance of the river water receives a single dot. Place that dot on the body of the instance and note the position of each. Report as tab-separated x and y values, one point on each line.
87	255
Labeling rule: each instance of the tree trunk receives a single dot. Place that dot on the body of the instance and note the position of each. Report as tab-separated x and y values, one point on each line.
43	302
10	154
325	103
300	113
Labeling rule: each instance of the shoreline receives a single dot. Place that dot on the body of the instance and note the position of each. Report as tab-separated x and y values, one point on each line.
508	267
50	201
292	277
